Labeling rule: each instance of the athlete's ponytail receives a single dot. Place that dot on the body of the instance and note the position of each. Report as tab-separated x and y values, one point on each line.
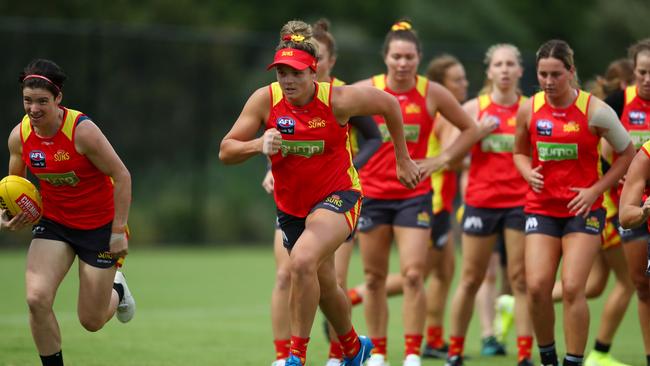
298	35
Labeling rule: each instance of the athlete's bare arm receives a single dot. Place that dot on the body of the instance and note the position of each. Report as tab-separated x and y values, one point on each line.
630	213
91	142
16	163
439	99
522	154
16	167
360	100
604	122
239	143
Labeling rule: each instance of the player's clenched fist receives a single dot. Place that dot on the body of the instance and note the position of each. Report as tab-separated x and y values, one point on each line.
271	141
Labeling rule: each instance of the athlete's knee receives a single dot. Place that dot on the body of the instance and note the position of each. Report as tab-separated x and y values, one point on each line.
538	289
283	279
642	291
470	282
91	323
413	277
518	282
39	301
375	280
303	264
572	291
444	272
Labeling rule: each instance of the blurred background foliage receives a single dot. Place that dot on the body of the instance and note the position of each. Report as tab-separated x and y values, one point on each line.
166	79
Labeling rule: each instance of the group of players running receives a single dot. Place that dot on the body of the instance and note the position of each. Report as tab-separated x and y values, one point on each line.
544	174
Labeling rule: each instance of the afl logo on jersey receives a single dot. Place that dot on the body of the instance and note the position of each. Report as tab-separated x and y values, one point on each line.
544	127
37	158
286	125
495	119
637	118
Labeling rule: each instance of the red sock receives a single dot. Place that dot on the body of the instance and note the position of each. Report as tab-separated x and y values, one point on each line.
336	351
434	336
281	348
299	348
456	345
355	297
350	343
524	344
412	344
380	345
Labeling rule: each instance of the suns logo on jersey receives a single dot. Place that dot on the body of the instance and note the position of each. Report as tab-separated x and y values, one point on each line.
512	121
571	127
412	108
316	123
62	155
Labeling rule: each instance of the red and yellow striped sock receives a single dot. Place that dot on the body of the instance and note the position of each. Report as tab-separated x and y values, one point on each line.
380	345
299	348
456	345
350	343
412	344
434	336
524	345
281	348
336	350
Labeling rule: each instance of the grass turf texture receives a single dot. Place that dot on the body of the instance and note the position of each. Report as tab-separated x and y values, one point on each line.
211	307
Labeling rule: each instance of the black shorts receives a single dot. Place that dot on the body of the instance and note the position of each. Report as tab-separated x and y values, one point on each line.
410	212
92	246
634	234
487	221
440	229
560	226
345	202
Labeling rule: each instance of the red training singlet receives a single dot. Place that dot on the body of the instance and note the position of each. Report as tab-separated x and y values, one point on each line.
315	158
443	182
379	175
75	193
635	119
567	151
494	181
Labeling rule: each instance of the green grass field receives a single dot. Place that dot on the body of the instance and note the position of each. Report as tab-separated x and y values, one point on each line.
211	307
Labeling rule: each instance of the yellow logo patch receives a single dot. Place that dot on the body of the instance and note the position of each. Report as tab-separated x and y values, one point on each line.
593	222
412	108
62	155
317	123
571	127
